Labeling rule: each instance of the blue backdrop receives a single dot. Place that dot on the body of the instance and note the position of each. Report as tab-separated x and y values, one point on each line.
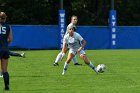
35	37
97	37
128	37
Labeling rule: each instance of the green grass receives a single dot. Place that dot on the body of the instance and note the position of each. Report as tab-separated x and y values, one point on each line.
36	74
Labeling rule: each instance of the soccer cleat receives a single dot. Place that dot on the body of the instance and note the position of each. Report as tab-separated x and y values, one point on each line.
63	73
23	55
77	64
7	87
95	70
55	64
1	76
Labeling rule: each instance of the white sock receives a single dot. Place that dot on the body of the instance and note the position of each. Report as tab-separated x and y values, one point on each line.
74	60
91	65
58	57
65	68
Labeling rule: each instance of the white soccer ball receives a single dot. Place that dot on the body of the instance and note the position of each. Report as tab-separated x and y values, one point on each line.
101	68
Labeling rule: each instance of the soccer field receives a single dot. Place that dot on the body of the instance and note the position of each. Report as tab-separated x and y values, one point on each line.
36	73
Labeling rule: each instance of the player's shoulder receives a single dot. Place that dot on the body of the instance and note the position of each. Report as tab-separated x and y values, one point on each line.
77	34
4	24
67	35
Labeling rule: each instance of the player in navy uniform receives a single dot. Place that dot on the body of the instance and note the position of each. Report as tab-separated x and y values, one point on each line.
5	39
11	53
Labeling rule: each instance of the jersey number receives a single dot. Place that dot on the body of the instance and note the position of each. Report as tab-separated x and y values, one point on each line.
3	30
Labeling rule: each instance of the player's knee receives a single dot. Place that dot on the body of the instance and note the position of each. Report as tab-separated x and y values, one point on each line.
85	59
86	62
65	50
68	61
83	56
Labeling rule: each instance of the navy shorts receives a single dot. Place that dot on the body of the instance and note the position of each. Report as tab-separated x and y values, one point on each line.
4	54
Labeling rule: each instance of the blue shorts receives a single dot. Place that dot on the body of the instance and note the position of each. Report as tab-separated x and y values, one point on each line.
4	54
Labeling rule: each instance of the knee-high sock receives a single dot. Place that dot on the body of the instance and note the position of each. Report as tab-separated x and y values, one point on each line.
58	57
6	78
91	65
65	68
74	60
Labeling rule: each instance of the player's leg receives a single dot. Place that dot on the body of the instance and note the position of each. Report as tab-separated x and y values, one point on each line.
75	62
57	59
60	56
4	64
89	63
16	54
70	56
1	76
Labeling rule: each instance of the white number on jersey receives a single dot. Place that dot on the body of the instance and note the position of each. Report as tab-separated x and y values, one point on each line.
3	30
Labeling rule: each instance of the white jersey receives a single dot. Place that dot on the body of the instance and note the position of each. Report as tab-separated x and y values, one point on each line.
71	25
74	41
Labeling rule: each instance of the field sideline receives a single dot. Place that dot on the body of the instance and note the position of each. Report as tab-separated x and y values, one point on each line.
36	73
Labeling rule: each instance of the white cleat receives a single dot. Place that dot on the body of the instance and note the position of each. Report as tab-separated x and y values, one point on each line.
63	73
96	70
23	55
1	76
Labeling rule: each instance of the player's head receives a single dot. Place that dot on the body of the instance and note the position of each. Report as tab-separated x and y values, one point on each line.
71	31
74	19
3	17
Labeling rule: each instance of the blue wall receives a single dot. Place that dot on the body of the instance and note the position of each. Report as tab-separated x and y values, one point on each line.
128	37
97	37
35	37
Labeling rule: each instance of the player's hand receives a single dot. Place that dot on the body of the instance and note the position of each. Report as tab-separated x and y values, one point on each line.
78	51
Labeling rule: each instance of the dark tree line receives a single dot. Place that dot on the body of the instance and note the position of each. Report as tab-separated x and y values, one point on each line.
89	12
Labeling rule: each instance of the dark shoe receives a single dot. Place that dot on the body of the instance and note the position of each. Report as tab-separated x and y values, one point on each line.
77	64
7	88
55	64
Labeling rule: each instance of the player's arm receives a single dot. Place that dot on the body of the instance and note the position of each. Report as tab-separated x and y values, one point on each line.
80	38
10	37
82	46
64	49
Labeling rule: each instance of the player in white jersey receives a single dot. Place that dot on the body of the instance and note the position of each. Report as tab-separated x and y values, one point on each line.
61	55
73	39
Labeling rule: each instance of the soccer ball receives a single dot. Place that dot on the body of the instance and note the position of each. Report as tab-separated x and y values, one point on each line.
101	68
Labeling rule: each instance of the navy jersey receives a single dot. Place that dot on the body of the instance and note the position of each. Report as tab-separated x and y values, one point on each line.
4	33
